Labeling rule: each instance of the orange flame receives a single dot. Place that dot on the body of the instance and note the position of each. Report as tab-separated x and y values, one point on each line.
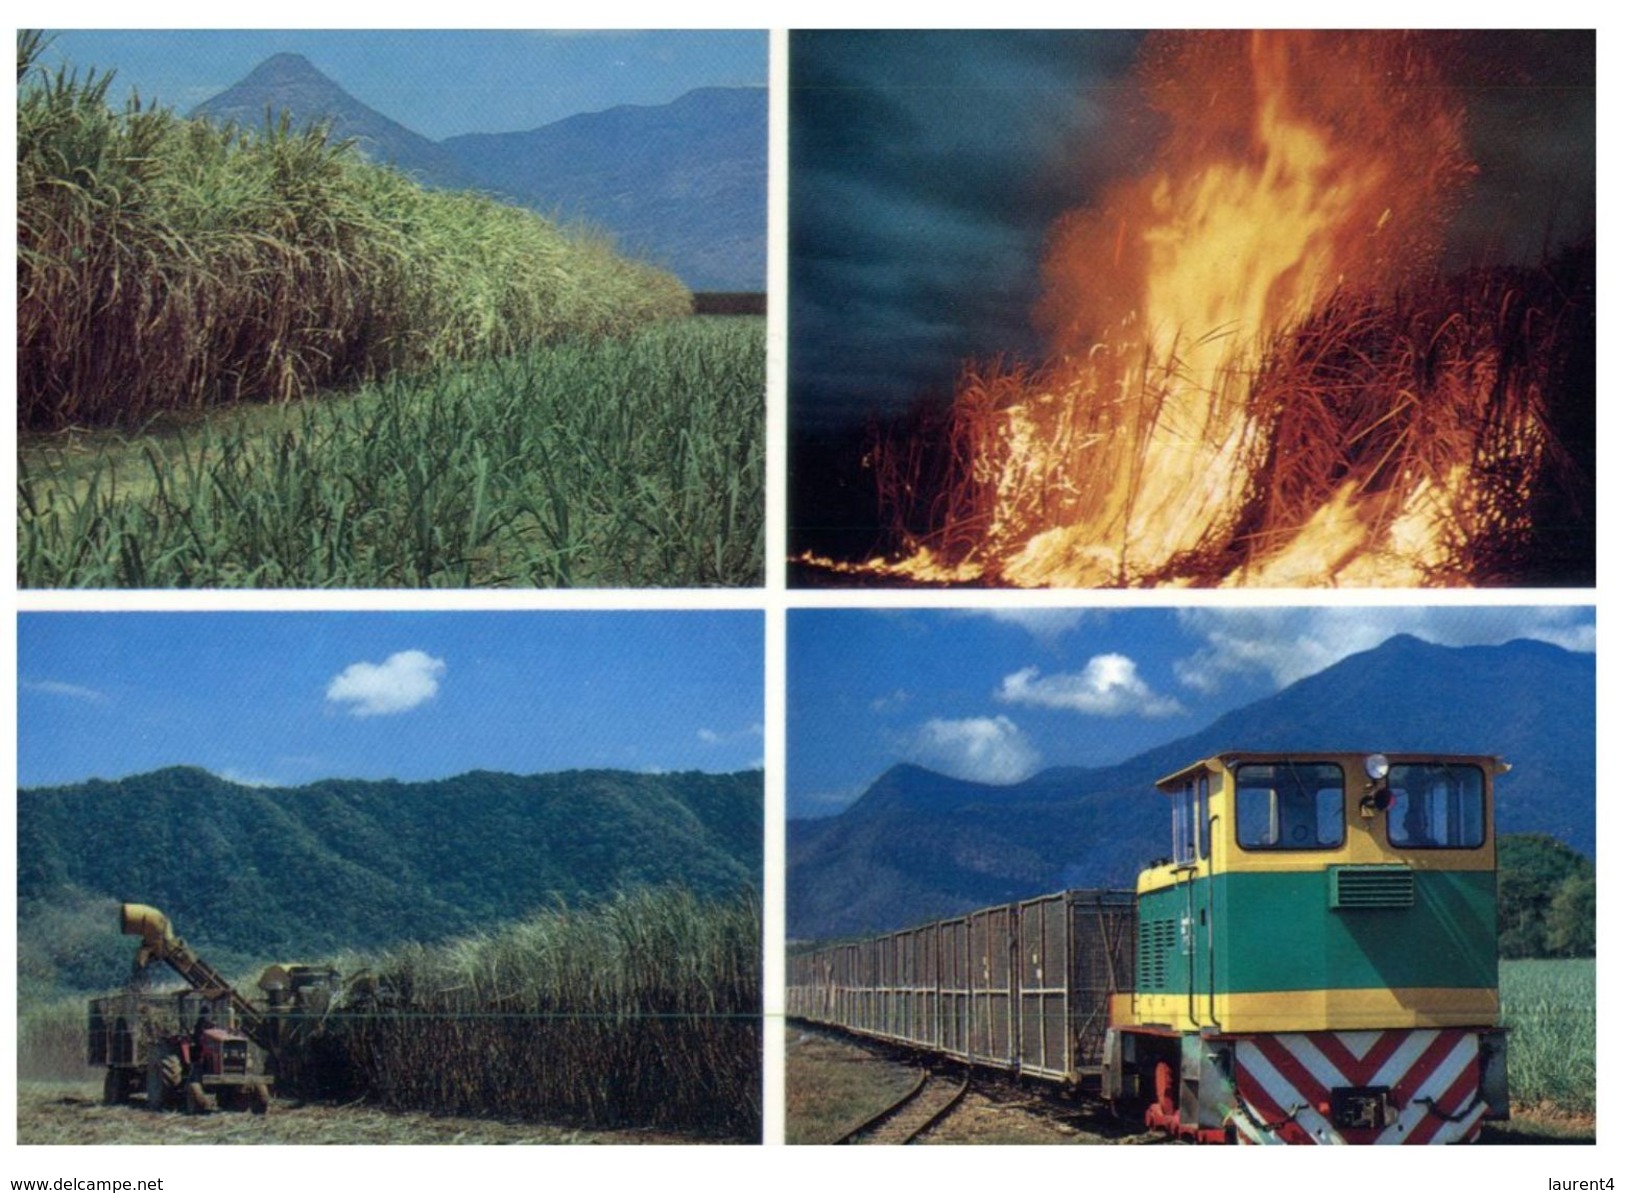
1301	172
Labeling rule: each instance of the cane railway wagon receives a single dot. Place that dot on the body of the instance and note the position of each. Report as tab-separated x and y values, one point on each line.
1024	987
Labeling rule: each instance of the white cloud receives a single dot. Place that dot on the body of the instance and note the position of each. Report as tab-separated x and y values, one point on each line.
54	687
717	737
1287	644
1275	642
401	682
1108	686
246	779
890	702
1044	624
1581	639
985	749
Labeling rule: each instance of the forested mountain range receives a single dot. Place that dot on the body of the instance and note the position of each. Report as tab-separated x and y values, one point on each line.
262	873
918	844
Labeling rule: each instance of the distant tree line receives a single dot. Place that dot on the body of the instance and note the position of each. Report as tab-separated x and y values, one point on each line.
730	302
1547	898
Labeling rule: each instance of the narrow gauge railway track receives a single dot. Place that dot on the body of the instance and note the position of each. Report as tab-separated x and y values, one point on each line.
932	1098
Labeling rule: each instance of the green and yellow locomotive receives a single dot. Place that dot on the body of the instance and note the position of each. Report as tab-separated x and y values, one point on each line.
1316	963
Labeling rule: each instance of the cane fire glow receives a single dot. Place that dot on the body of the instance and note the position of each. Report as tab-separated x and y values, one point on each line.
1255	376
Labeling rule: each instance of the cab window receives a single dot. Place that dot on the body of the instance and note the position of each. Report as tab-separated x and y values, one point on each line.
1436	806
1289	805
1191	821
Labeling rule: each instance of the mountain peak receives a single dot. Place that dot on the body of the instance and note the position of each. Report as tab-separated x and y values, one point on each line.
286	60
285	68
903	772
287	84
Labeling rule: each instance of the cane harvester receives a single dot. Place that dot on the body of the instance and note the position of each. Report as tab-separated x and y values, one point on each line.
191	1048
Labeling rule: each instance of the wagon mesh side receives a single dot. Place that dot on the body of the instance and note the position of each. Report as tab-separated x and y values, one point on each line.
1019	986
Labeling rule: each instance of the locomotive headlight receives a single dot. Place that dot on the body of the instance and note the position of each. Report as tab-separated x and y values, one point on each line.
1377	796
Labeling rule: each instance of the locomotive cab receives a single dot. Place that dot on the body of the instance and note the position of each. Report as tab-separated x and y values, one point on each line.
1316	961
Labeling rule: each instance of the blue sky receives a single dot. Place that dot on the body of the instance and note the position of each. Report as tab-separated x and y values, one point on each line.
436	82
288	698
998	694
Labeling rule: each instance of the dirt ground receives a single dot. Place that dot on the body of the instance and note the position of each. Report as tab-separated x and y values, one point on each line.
833	1082
72	1113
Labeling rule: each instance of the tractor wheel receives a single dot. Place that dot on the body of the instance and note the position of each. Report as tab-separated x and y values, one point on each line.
197	1101
164	1080
259	1098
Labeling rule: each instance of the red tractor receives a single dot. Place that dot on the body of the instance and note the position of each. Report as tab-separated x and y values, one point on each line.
143	1041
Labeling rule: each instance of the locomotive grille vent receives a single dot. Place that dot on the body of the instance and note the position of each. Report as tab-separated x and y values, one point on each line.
1157	941
1356	887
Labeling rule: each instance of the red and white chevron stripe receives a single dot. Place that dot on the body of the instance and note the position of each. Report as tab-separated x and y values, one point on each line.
1284	1085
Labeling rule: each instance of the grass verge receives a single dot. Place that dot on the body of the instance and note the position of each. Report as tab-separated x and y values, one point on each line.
629	462
1551	1009
71	1113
